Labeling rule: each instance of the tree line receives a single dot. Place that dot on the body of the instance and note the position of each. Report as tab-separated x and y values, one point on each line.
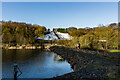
101	37
16	33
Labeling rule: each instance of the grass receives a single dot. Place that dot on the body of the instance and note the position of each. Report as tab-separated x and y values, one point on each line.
113	51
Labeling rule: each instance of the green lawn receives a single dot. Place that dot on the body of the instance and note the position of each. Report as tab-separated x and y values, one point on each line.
114	51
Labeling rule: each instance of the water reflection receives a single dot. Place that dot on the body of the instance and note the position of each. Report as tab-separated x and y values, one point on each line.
58	58
34	64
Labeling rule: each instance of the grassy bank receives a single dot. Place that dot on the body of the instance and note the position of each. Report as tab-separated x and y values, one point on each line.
114	51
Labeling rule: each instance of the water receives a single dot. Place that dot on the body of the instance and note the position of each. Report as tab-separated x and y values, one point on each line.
33	64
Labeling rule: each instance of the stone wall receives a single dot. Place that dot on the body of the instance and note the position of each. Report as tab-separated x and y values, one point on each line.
88	66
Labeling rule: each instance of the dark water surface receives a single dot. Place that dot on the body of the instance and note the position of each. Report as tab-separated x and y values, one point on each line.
33	64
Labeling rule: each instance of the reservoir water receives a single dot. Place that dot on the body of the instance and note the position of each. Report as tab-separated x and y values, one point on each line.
33	64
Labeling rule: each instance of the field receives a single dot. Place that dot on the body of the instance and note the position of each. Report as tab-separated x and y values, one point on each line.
113	51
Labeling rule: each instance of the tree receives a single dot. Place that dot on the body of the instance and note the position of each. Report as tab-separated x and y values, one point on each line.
20	33
62	30
78	33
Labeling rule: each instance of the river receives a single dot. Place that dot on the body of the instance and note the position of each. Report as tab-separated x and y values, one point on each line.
33	64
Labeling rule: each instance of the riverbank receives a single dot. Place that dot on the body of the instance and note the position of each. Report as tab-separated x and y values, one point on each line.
87	65
26	47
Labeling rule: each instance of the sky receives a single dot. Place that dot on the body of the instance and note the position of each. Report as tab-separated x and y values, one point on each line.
61	14
60	0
